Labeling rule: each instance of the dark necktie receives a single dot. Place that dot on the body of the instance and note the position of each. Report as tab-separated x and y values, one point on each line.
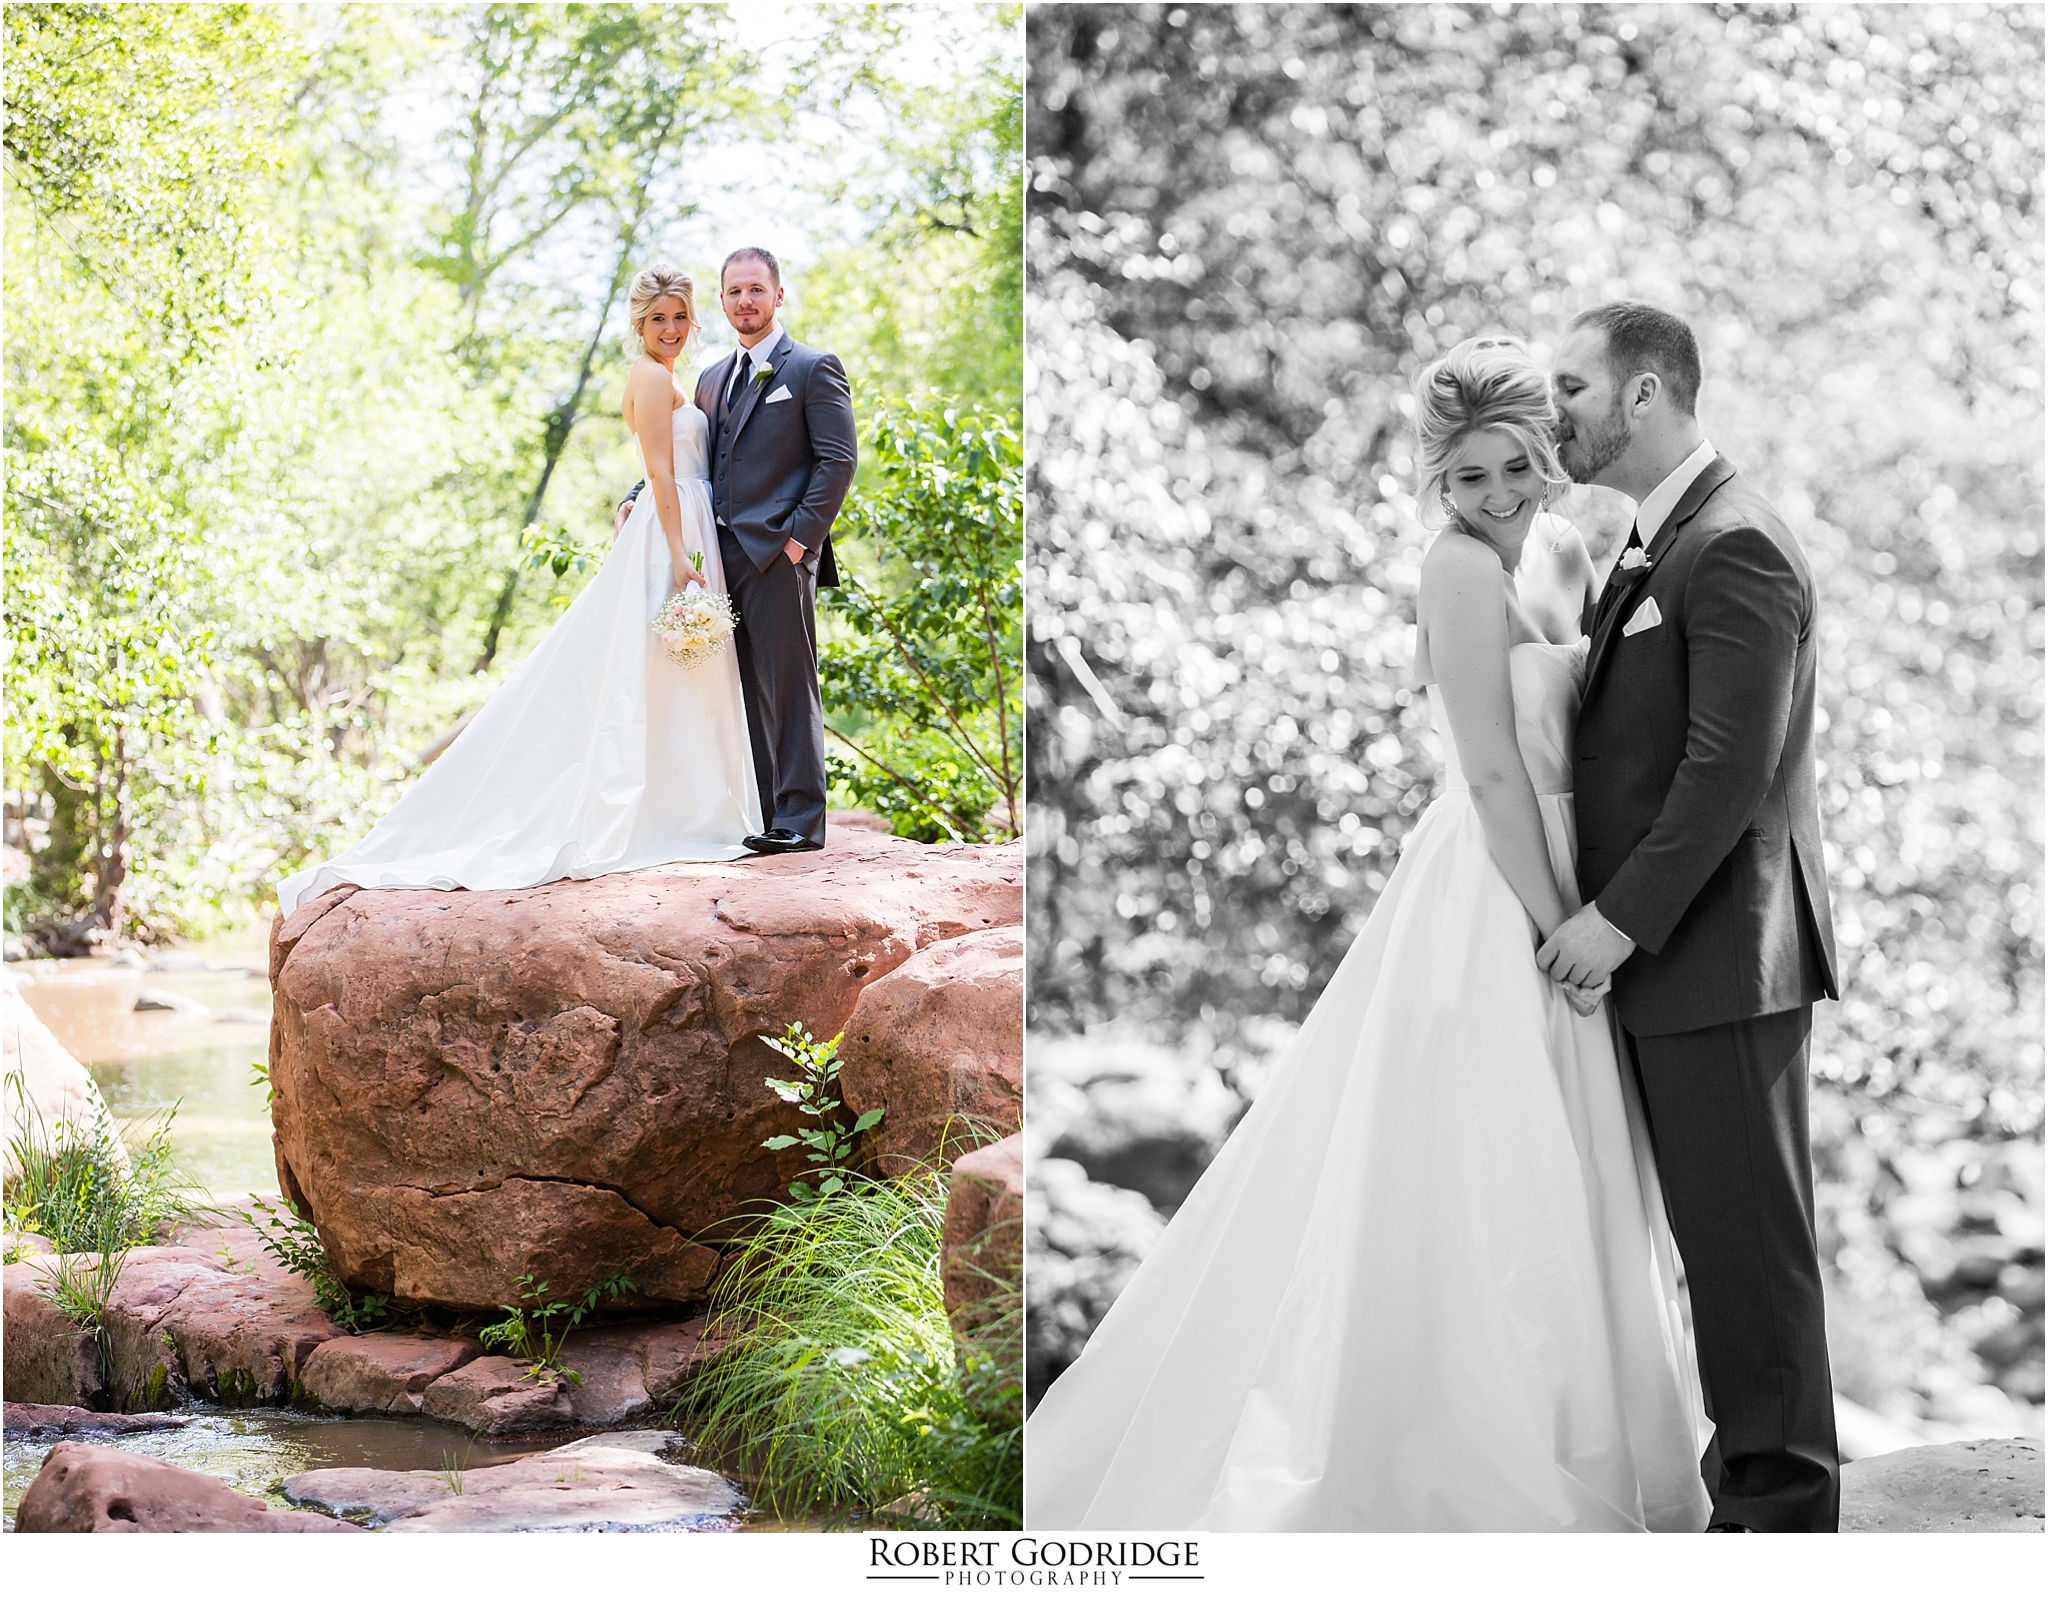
1619	578
742	369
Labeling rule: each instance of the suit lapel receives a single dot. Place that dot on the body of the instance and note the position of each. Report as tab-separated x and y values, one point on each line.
721	376
1718	471
745	404
1607	617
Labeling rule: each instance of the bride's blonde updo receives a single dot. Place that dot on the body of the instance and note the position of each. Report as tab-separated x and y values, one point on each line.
654	283
1483	384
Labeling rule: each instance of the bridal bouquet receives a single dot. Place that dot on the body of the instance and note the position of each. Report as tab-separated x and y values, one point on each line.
696	623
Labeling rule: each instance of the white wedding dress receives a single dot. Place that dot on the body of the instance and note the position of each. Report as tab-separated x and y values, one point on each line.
1427	1284
599	753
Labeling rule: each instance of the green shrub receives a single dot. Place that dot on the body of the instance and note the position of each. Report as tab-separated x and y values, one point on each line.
830	1144
87	1187
95	1195
294	1242
840	1388
528	1329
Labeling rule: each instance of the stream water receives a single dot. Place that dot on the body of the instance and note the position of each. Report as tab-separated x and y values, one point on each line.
200	1063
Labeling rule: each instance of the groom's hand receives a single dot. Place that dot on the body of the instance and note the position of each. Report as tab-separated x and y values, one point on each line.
795	551
1585	950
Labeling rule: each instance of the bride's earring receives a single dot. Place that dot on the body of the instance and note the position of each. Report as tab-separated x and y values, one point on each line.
1443	498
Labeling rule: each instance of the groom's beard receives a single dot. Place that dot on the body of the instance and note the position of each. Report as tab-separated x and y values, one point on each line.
1587	453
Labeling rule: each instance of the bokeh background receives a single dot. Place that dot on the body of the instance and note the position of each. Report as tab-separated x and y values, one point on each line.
1246	229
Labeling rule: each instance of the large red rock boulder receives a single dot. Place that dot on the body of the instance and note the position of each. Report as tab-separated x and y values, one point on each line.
87	1488
569	1080
938	1046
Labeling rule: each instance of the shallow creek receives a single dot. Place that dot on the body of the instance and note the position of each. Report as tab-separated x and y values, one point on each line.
147	1061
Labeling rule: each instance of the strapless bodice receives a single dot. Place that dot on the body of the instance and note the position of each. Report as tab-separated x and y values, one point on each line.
691	435
1546	679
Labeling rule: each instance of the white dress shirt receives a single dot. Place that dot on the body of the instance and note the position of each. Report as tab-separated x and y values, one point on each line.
1661	500
759	353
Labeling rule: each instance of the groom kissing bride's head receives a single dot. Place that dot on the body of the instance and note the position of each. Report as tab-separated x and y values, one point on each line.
1626	383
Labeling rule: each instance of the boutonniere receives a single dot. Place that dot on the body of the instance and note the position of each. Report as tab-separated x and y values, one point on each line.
1633	558
762	374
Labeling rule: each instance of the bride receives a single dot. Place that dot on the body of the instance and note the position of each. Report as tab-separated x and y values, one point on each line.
599	753
1427	1284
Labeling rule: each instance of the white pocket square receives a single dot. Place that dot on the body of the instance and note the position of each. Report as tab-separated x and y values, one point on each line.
1646	617
780	393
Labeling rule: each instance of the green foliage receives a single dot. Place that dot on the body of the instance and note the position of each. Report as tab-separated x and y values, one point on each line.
923	681
93	1197
86	1187
1251	226
294	1242
830	1144
931	296
528	1330
839	1388
558	550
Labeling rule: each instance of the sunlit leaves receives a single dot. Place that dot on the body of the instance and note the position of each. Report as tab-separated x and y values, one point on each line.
922	682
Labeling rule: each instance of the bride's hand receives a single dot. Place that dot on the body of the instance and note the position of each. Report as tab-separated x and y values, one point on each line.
1585	1000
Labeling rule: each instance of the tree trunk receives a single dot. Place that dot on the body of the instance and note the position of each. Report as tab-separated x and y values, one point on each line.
561	422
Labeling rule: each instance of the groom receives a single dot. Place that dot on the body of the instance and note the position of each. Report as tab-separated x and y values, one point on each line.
1706	898
782	459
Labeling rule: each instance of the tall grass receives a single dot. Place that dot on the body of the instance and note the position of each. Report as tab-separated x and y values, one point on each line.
840	1390
94	1194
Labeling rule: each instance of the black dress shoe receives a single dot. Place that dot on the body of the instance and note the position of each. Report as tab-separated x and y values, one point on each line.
779	840
1729	1525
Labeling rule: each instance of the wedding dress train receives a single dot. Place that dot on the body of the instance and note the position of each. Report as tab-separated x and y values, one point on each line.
1427	1284
599	753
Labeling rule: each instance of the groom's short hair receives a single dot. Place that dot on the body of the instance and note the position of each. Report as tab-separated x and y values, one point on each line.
751	252
1642	338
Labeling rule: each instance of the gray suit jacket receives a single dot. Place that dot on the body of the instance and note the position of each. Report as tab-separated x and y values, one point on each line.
781	466
1698	811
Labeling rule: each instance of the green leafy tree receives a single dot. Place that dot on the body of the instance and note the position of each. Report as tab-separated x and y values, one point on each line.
922	684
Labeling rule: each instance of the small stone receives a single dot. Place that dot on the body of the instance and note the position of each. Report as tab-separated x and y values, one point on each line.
34	1420
87	1488
628	1370
176	959
382	1372
494	1396
158	998
129	959
236	1015
617	1481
